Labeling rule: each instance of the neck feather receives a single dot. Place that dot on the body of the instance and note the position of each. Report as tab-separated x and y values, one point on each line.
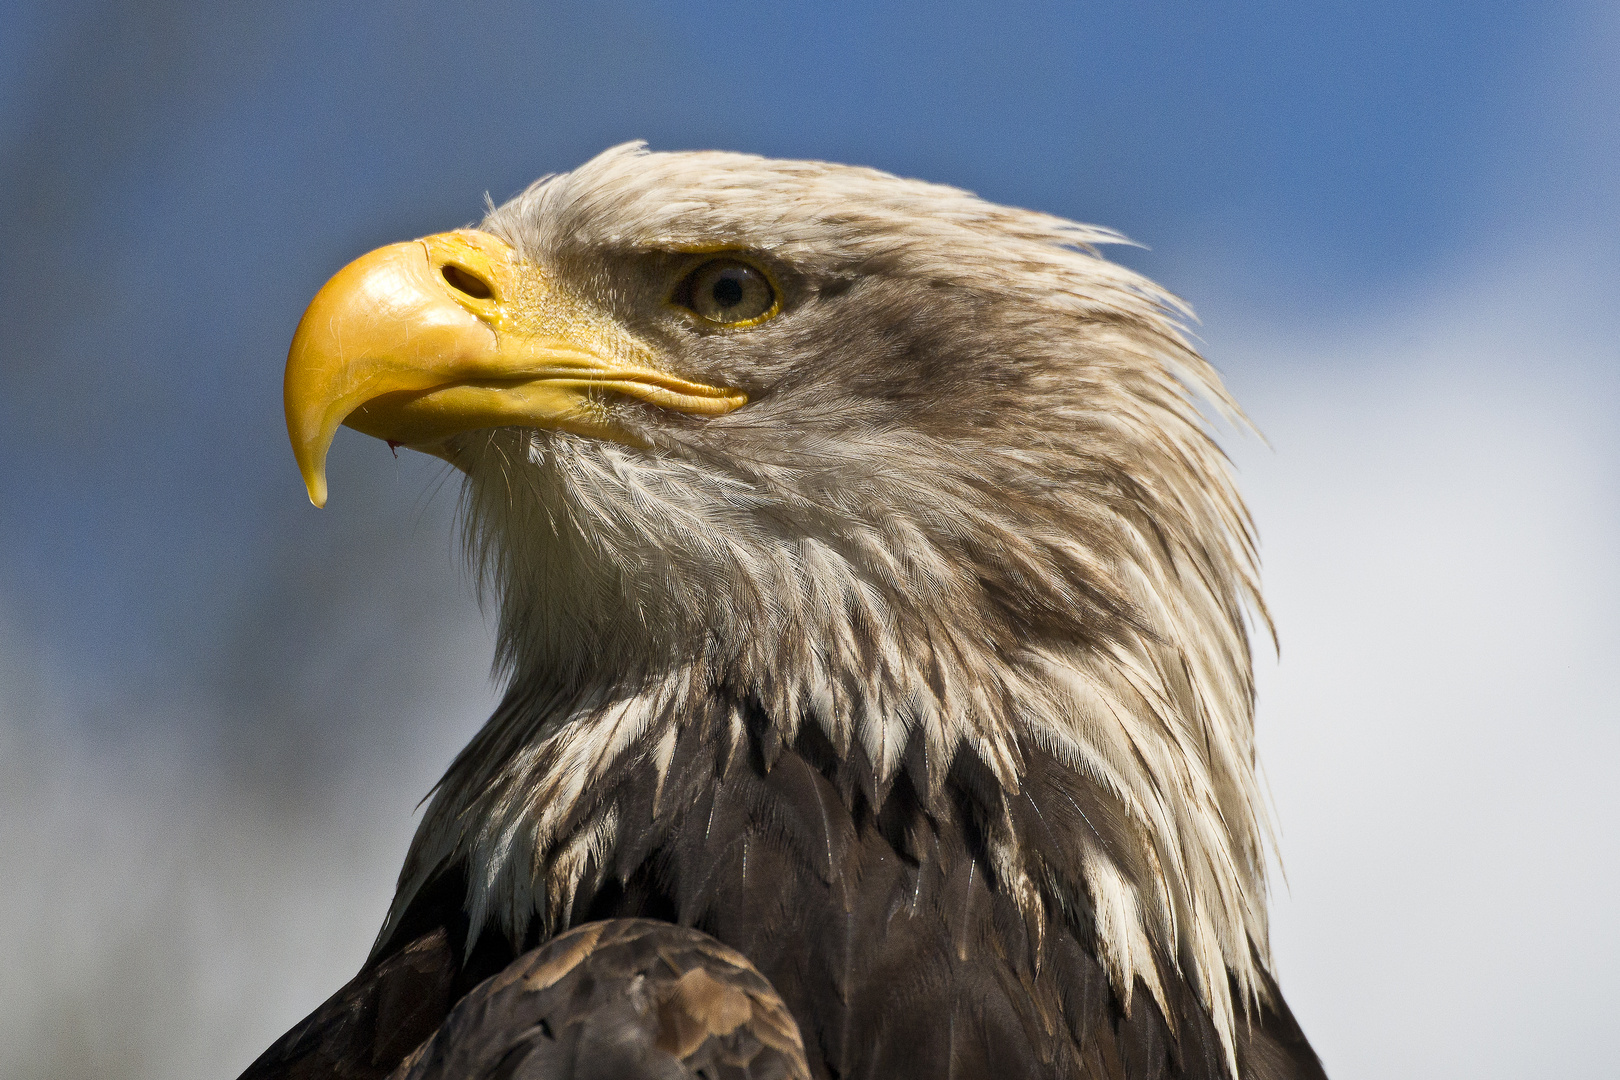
867	637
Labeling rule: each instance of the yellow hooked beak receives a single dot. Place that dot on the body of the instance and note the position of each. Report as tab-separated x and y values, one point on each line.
420	341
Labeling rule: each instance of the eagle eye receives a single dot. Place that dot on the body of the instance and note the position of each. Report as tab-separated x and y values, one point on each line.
728	292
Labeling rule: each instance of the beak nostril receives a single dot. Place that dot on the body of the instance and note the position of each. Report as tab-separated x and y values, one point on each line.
466	281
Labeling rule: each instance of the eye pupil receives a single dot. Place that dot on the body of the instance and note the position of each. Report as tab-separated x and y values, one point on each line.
728	292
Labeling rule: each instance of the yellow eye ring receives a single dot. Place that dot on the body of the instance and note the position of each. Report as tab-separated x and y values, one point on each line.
730	292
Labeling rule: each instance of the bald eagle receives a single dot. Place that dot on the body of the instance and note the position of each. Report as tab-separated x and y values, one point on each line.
874	612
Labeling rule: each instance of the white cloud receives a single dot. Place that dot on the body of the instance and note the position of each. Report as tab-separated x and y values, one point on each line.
1440	526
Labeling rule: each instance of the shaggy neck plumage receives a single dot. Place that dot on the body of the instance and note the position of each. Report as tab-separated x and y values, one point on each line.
632	606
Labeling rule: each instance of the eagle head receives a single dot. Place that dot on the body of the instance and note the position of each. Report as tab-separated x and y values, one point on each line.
782	450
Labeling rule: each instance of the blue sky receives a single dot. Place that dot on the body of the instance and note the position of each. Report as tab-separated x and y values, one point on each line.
180	177
1398	222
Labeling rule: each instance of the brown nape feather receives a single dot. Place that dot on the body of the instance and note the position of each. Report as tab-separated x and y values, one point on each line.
922	680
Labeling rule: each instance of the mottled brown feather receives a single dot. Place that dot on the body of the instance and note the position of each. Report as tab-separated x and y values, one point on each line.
627	999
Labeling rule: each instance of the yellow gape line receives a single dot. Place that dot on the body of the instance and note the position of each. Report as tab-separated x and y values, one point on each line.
417	342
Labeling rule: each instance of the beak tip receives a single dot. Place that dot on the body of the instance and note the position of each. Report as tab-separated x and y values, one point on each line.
309	447
315	483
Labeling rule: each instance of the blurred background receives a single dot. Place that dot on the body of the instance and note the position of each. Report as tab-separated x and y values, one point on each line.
219	706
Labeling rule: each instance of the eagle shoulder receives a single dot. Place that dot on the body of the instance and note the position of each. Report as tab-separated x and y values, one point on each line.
621	998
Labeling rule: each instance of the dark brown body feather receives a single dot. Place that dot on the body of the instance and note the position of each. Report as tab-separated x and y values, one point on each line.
874	915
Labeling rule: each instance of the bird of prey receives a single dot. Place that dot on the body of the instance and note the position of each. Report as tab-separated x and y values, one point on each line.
874	612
